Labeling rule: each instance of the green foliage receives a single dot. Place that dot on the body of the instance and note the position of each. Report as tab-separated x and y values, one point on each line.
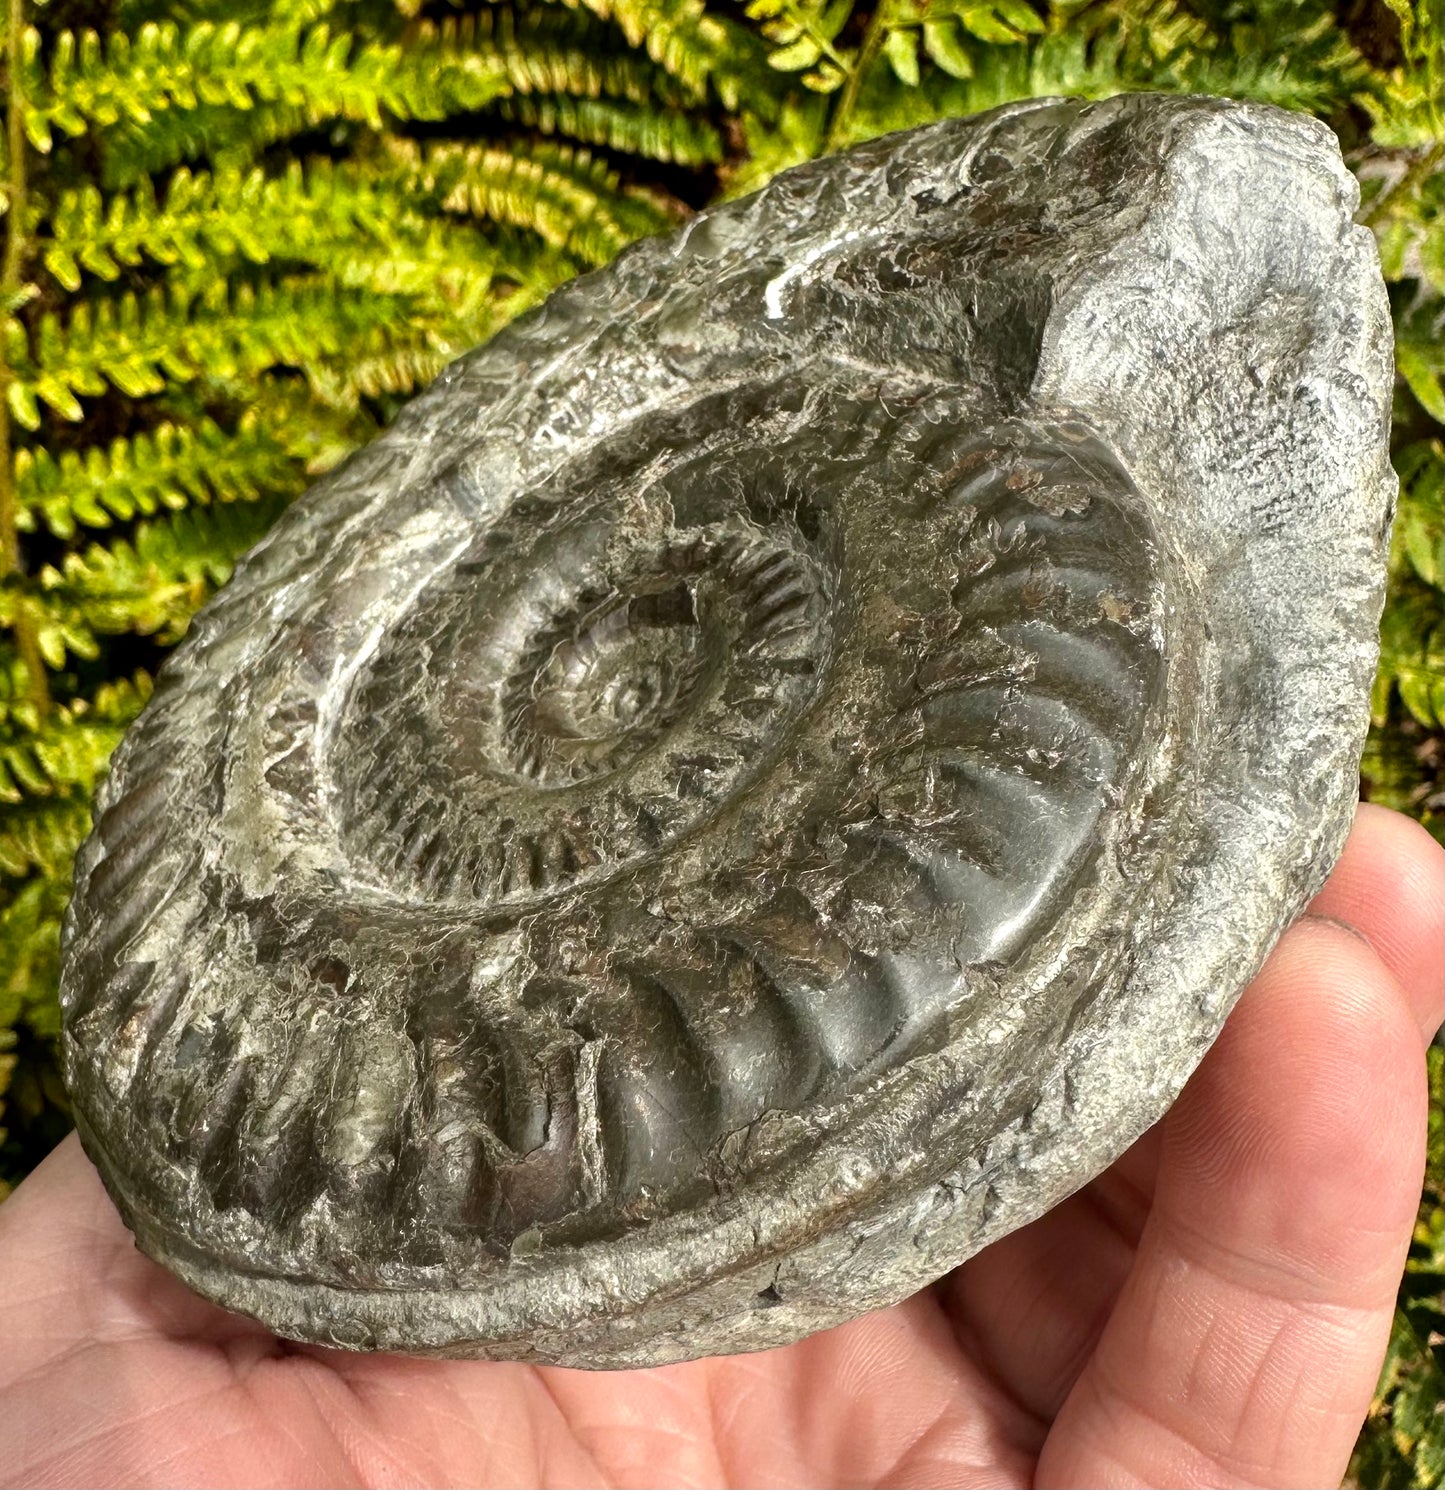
236	237
1404	1439
32	1097
1405	105
280	76
1412	630
240	232
1404	765
908	61
171	466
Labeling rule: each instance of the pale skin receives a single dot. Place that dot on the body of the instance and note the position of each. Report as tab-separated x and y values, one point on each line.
1212	1311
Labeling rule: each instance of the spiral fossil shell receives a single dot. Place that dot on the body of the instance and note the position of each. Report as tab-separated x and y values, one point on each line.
774	770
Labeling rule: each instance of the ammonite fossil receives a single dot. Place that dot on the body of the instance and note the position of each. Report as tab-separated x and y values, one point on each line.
774	770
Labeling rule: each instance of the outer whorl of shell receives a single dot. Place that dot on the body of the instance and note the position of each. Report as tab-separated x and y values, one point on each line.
774	770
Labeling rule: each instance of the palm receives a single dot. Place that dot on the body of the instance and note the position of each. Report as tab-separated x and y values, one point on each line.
1210	1311
235	1405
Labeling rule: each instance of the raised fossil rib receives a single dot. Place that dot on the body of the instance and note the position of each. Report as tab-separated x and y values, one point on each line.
774	770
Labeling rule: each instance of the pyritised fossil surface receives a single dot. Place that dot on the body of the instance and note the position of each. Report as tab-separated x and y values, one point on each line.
774	770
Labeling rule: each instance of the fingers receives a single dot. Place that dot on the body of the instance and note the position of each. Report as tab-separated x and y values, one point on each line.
1390	885
58	1233
1031	1307
1244	1346
62	1239
882	1400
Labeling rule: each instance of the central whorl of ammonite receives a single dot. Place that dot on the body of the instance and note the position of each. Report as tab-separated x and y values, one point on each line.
581	686
599	685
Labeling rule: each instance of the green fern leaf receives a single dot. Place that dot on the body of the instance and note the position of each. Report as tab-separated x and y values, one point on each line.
1412	654
1406	102
328	75
151	586
314	433
1419	537
631	129
696	48
573	200
170	466
140	345
547	50
29	944
372	231
1419	350
42	833
1403	200
66	753
16	702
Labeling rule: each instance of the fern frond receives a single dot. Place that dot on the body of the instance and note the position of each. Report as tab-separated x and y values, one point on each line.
170	466
1412	629
632	129
327	75
547	50
573	200
65	755
533	51
227	137
806	38
29	945
464	63
316	434
150	586
696	48
1406	103
1290	54
1064	62
397	371
42	833
370	231
17	701
29	963
1419	358
142	344
1418	543
1402	195
527	267
939	61
1412	653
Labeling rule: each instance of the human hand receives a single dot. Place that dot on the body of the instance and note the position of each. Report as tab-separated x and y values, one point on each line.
1211	1311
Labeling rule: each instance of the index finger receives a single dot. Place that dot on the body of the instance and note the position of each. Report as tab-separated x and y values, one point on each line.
1245	1343
1390	887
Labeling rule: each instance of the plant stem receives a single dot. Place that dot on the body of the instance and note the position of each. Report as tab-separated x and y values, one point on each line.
11	271
848	99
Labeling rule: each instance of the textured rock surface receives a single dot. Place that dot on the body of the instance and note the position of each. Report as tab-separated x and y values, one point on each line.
776	768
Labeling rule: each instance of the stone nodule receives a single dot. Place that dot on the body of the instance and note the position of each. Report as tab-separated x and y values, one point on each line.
774	770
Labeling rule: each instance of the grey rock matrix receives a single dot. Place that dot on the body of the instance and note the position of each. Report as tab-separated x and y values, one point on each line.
775	769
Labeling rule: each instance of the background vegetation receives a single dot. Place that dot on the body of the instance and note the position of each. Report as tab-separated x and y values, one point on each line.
238	233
